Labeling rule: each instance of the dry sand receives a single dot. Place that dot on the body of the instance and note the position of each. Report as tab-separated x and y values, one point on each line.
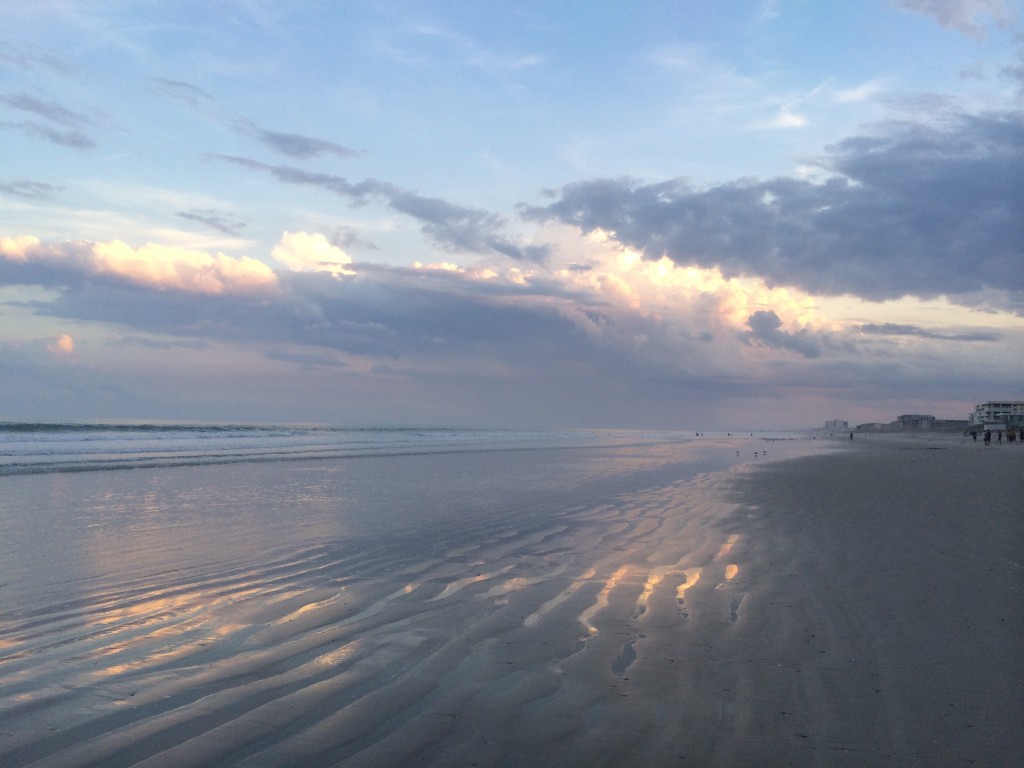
855	608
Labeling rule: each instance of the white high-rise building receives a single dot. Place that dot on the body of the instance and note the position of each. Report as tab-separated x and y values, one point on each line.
998	412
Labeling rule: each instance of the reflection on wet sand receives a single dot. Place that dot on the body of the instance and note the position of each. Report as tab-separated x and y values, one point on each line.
479	639
601	602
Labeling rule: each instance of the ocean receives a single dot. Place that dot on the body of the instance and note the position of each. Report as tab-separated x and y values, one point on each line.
314	595
31	448
28	448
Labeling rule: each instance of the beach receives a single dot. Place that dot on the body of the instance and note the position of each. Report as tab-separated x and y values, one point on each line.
834	603
886	605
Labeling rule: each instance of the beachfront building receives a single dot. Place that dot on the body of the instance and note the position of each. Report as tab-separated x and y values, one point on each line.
915	421
836	425
1007	413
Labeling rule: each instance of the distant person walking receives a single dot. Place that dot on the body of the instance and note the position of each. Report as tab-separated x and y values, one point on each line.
988	436
851	435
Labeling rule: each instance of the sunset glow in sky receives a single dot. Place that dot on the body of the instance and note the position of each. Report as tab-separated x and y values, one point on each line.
542	214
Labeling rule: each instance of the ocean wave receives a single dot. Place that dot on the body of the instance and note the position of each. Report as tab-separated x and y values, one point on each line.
35	448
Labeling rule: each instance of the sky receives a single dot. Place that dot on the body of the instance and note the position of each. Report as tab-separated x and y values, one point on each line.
682	214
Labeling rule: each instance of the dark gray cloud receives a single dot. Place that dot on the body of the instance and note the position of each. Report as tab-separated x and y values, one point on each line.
64	273
922	210
218	220
896	329
32	190
766	330
453	227
296	145
291	144
389	314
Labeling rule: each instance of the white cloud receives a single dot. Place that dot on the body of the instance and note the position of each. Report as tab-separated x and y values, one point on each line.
862	92
788	119
305	252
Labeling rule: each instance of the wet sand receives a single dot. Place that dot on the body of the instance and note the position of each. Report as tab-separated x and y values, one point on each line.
861	606
885	616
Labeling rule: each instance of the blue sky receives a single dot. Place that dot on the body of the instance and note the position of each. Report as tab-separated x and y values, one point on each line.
689	214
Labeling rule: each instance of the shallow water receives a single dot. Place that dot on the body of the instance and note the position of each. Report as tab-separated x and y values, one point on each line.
370	609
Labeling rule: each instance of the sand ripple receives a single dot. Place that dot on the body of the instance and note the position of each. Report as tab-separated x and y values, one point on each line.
499	639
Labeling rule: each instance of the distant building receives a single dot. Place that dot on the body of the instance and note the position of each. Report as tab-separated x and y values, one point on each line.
836	424
915	421
1005	412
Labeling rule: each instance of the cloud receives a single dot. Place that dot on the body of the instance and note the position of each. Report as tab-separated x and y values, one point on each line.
155	343
196	98
786	118
459	228
348	237
48	109
862	92
218	220
64	345
34	59
27	260
423	314
967	16
73	139
291	144
766	330
637	331
296	145
32	190
69	133
1015	73
769	10
455	46
452	227
918	210
897	329
307	359
304	252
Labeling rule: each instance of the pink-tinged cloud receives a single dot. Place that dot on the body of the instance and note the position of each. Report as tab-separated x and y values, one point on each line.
152	266
65	345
